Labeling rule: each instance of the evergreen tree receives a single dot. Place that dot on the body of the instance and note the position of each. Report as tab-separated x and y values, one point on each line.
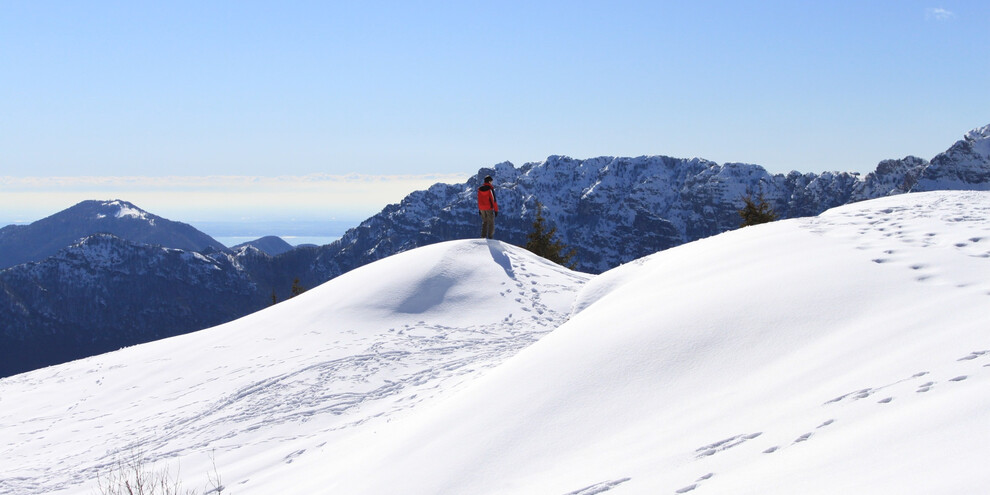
296	288
274	297
541	241
755	212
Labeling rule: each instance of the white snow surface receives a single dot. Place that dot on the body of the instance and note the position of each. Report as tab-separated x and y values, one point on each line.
844	353
127	210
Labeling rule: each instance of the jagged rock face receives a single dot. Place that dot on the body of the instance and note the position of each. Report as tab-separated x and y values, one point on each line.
963	166
37	241
610	210
105	292
614	210
891	177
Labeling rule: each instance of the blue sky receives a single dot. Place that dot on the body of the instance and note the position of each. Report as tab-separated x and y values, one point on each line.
134	89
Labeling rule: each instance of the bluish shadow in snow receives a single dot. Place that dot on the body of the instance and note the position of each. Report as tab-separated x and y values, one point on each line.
498	254
429	293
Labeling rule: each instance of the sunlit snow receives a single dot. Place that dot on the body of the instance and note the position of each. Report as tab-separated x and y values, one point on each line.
844	353
127	210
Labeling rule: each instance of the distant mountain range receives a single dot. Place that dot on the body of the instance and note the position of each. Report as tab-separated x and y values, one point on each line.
105	274
41	239
614	210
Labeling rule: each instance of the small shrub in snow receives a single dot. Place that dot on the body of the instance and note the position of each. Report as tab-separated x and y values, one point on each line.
133	476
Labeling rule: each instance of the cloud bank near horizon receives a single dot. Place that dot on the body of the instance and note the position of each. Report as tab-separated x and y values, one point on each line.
218	197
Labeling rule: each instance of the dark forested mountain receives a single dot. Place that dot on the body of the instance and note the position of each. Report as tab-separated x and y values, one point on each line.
111	290
105	292
41	239
270	244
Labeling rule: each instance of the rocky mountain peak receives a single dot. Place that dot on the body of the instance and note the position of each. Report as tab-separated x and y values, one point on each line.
980	133
965	165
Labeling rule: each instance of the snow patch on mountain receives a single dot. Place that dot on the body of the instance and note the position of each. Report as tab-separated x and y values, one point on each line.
979	134
121	209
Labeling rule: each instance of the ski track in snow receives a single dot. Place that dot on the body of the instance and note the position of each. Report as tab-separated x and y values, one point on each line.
381	374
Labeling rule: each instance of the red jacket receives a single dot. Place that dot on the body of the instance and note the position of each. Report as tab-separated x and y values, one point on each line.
486	198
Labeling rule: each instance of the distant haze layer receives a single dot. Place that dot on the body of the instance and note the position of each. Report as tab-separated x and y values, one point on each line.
193	199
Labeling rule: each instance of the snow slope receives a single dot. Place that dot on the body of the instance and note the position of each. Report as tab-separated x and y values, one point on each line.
840	354
844	353
359	350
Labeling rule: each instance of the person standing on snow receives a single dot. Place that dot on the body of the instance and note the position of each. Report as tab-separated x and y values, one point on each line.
487	208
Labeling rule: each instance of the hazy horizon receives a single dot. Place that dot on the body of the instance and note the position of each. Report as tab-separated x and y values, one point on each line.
243	199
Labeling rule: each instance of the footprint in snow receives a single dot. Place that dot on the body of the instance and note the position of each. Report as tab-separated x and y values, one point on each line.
694	486
722	445
599	487
291	457
863	394
859	394
973	355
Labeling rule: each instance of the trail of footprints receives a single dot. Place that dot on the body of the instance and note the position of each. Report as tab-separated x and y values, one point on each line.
925	386
874	230
975	247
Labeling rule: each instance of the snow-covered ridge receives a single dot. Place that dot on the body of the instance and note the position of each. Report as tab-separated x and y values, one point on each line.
979	133
362	349
757	361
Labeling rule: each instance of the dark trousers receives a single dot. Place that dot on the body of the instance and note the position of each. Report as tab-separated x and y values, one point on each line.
487	223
